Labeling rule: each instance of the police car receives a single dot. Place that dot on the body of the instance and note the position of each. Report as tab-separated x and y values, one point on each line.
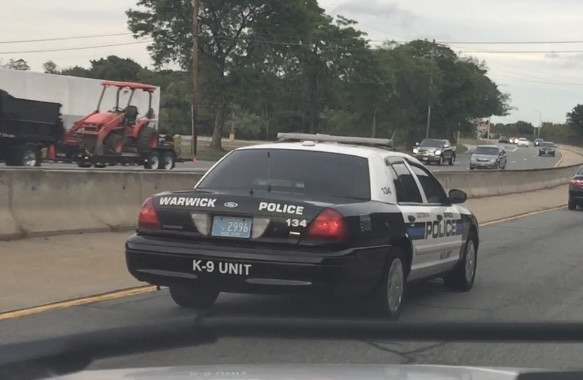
310	214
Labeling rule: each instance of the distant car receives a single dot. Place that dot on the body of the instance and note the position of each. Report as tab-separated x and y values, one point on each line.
576	190
435	150
546	148
488	157
503	139
537	142
523	141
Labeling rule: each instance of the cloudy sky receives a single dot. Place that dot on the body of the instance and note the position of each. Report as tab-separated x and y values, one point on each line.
533	48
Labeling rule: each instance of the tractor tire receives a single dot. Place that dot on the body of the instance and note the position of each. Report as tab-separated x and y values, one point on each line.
153	161
168	161
147	139
114	143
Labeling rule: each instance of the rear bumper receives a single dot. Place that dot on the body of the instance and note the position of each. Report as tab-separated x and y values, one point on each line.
249	270
546	153
576	195
483	165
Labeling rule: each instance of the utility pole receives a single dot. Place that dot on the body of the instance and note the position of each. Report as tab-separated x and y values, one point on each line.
430	88
195	11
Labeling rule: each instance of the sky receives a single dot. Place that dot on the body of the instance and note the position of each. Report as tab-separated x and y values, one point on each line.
532	48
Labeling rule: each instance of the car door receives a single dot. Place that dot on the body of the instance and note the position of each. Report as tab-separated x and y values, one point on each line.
416	213
443	231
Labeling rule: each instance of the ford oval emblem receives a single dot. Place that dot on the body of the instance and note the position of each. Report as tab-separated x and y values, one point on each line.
231	204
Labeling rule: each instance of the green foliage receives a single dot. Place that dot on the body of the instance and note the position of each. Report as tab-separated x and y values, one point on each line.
16	64
575	119
50	67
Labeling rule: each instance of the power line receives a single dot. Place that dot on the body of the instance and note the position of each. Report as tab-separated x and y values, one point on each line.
65	38
73	48
521	51
510	42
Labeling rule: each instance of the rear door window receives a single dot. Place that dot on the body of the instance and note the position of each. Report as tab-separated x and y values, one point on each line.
405	185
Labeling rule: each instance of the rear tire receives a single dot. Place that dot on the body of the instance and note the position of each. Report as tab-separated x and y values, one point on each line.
193	298
114	143
452	160
461	279
147	139
168	161
387	299
572	205
23	155
440	162
153	161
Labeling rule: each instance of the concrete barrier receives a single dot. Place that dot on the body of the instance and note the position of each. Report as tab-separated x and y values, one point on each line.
479	184
37	202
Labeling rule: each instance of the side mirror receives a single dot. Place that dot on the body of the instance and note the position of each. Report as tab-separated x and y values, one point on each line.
446	146
457	196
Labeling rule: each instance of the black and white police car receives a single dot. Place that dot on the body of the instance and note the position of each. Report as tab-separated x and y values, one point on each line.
310	214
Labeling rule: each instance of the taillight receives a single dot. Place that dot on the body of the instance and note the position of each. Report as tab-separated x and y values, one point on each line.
148	217
328	225
577	182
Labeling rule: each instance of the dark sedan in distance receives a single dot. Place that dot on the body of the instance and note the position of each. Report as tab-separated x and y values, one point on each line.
546	148
488	157
576	190
503	139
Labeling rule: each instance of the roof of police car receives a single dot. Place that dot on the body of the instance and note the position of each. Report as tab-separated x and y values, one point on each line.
331	147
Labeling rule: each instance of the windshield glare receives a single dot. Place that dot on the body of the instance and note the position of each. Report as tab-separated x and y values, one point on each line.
486	150
431	143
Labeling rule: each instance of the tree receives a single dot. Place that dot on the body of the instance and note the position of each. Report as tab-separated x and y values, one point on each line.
115	68
575	119
50	67
19	64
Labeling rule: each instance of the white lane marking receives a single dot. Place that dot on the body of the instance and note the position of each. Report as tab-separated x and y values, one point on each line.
524	159
512	162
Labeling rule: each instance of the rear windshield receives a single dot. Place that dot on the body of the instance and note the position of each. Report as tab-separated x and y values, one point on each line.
319	175
430	143
547	144
491	151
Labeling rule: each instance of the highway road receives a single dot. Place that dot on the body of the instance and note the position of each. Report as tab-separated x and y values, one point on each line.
518	158
529	269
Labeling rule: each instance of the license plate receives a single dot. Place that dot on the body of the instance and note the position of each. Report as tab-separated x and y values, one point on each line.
231	227
222	267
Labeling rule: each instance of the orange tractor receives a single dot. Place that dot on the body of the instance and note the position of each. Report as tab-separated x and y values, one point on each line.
120	133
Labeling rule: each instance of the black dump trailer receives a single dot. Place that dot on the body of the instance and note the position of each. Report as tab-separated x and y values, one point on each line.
27	126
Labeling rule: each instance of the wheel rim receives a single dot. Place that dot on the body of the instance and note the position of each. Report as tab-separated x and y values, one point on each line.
119	147
167	162
470	261
29	158
155	162
395	285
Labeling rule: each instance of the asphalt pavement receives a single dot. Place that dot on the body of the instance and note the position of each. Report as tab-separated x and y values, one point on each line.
518	159
529	269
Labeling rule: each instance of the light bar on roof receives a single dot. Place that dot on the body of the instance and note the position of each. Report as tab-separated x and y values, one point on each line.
337	139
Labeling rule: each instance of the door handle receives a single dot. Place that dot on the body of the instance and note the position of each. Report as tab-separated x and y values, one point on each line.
411	218
439	216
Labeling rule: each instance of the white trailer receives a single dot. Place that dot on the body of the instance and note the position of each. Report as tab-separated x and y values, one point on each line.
78	96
